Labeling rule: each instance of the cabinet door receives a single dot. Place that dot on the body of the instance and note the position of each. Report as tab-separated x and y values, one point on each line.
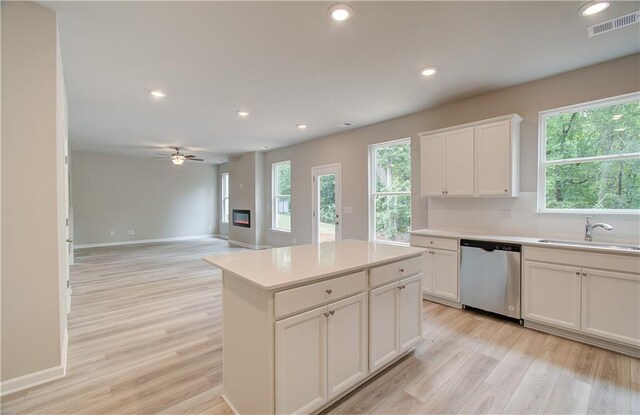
493	158
427	276
432	165
301	362
410	313
611	305
551	294
383	325
445	274
459	162
347	343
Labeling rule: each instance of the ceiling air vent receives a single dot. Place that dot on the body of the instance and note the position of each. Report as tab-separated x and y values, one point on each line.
613	24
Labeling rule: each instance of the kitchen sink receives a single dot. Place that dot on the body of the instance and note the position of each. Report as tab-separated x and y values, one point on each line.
589	244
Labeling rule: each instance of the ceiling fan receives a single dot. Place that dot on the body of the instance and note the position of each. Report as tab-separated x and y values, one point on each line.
177	158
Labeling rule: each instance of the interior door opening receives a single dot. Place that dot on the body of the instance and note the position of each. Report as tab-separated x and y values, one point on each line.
327	203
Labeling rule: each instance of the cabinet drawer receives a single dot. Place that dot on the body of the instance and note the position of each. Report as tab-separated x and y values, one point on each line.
313	295
431	242
394	271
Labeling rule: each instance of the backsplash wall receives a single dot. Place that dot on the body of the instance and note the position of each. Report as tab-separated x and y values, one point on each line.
518	216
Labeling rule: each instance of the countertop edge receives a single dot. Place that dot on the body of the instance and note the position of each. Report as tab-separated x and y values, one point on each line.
210	259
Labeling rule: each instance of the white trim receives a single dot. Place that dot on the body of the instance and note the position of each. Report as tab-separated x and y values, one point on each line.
372	194
229	404
65	351
509	117
224	194
246	245
32	379
332	168
543	163
221	236
144	241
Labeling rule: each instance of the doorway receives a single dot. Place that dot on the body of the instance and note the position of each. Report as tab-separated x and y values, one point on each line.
327	203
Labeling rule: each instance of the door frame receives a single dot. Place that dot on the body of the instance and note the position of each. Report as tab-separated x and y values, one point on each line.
333	168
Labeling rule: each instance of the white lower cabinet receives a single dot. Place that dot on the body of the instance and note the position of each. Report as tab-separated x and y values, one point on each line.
551	294
611	305
320	354
347	340
441	273
301	362
395	320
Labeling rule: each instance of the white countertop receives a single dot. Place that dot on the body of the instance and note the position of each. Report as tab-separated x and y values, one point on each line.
280	268
526	240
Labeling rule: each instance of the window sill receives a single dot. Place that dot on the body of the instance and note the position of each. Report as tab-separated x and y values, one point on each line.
276	230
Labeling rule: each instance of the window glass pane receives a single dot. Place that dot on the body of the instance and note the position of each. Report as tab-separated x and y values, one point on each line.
393	168
283	212
283	179
610	130
327	206
597	185
225	211
392	218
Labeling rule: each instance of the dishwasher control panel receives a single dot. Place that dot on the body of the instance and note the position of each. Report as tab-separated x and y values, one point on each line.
490	246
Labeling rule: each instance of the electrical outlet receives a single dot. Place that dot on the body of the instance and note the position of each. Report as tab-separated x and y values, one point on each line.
112	233
131	232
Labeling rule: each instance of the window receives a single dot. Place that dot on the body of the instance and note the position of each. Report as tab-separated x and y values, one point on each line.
225	198
281	196
390	191
590	157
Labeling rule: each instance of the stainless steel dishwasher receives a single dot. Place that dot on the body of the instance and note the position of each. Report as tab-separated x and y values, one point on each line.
490	276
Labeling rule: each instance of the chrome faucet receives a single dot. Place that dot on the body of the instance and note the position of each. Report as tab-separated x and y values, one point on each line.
588	228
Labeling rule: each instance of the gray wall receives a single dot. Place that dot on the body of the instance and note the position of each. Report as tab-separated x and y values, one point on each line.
246	192
154	198
611	78
32	326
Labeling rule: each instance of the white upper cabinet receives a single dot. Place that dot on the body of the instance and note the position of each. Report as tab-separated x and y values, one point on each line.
496	159
475	159
459	162
432	163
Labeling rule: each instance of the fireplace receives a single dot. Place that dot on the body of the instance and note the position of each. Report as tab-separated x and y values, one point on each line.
241	217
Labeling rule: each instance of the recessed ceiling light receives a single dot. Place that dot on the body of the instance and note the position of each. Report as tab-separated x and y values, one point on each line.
158	93
242	113
302	126
616	117
264	148
619	129
593	7
340	12
428	70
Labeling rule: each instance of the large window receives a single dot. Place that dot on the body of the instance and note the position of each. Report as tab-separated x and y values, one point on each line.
224	193
590	157
281	196
390	191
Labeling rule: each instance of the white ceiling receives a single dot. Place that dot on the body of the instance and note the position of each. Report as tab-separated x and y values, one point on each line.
287	63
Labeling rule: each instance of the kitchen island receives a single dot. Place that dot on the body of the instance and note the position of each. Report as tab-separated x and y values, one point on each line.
304	325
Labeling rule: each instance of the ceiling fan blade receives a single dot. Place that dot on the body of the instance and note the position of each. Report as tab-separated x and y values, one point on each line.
165	158
164	154
194	159
190	156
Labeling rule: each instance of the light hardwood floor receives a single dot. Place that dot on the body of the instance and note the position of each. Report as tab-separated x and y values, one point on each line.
145	337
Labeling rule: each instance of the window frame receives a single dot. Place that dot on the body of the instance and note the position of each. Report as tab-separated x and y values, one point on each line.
373	193
274	197
224	196
542	152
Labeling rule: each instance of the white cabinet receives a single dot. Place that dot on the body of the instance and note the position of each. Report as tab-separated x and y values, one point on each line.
301	362
496	159
347	344
475	159
320	354
432	165
395	320
611	305
551	294
440	275
447	160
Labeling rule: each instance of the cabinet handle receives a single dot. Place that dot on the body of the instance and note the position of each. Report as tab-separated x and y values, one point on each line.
401	270
578	273
431	242
443	192
399	287
584	274
446	192
329	291
326	315
506	190
403	287
332	312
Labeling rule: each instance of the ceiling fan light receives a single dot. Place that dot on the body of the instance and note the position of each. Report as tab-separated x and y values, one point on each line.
177	160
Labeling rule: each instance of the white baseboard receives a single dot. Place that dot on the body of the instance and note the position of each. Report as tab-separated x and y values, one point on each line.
245	245
30	380
144	241
221	236
38	378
